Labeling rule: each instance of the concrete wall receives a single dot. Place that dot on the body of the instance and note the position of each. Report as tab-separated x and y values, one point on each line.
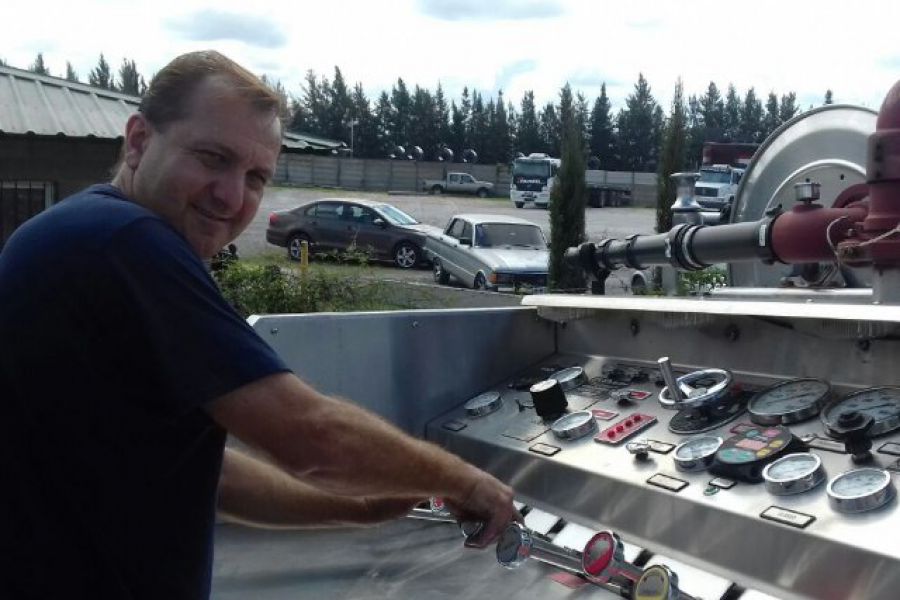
406	176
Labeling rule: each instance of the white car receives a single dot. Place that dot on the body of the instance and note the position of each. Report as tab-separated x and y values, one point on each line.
490	252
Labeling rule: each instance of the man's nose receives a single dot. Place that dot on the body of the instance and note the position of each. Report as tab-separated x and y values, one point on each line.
228	193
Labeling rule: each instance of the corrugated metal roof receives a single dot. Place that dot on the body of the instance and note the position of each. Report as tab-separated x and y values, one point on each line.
41	105
303	141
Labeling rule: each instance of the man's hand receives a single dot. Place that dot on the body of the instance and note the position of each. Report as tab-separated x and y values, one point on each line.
488	501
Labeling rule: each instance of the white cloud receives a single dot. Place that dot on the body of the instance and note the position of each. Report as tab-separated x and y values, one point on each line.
801	46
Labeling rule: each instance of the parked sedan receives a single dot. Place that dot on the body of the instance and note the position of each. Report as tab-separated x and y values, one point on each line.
341	223
490	252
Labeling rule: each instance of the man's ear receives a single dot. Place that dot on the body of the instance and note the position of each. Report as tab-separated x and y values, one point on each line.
137	136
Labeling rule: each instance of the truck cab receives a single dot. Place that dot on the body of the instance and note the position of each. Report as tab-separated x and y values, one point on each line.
717	185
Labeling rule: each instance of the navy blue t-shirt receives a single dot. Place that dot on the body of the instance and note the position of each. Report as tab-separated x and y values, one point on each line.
113	337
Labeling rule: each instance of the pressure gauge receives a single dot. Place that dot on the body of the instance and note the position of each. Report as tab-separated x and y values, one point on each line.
570	378
514	546
697	453
484	404
793	474
658	582
881	403
860	490
789	402
575	425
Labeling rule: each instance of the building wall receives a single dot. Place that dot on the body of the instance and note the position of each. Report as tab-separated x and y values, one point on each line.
71	164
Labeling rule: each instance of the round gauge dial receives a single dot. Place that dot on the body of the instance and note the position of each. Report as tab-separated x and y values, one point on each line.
513	546
570	378
575	425
696	454
860	490
794	474
483	404
789	402
881	403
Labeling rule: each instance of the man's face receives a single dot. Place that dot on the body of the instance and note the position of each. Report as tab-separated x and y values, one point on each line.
205	174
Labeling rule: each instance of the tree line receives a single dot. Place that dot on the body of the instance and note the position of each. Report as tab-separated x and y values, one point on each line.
126	81
417	122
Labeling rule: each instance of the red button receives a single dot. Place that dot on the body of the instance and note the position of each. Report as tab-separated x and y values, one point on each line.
610	434
628	423
619	428
637	418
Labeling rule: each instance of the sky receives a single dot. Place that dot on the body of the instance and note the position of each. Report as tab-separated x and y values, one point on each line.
781	46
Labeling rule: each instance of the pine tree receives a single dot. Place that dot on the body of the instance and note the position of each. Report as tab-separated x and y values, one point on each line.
101	76
38	65
583	119
401	104
383	118
713	112
338	108
130	81
476	130
458	142
788	107
71	75
365	132
638	129
696	133
752	118
422	122
442	115
529	128
567	200
731	124
3	63
672	158
602	143
501	133
550	130
773	116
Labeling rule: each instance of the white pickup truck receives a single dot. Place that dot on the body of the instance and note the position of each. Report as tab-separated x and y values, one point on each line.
458	183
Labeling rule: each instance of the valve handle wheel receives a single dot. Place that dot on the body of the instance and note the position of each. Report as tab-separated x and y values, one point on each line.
696	389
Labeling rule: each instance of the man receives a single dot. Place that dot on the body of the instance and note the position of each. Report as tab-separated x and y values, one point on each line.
122	368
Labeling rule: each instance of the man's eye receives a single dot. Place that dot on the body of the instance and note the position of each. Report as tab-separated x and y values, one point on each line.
210	158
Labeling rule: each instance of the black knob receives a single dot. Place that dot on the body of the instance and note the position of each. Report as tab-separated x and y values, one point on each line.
549	399
853	428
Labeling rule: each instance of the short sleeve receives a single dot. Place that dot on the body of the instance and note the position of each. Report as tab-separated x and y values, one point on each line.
197	347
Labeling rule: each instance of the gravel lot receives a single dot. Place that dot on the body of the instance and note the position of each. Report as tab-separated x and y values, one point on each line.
437	210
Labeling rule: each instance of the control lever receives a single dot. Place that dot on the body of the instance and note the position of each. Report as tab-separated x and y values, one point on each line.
517	543
438	513
658	582
603	559
853	429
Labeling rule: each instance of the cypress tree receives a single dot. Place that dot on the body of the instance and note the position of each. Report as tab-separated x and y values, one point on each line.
567	200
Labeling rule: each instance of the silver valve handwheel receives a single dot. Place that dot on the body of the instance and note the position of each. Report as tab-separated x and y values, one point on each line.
570	378
694	391
575	425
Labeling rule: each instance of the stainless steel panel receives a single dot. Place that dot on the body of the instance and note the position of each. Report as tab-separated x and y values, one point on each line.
408	366
595	485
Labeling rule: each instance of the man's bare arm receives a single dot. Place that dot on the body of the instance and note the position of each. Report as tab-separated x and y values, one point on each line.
344	449
253	492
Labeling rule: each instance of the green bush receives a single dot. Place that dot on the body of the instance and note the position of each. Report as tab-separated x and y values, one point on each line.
256	289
